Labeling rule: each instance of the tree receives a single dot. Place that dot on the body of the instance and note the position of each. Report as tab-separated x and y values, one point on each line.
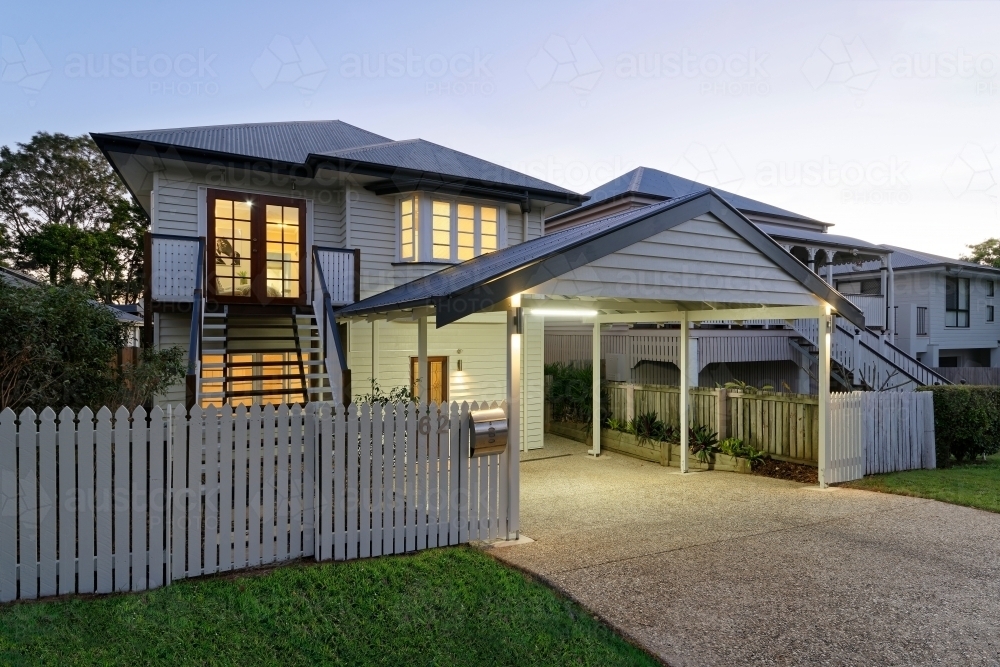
987	252
58	348
67	218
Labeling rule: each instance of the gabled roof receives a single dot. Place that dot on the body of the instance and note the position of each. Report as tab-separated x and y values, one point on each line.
903	258
336	144
480	283
656	183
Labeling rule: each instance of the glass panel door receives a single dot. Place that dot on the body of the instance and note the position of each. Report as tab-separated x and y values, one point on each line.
231	254
283	235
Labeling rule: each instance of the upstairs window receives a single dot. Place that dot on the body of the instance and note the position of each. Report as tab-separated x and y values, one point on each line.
436	229
956	300
989	288
408	211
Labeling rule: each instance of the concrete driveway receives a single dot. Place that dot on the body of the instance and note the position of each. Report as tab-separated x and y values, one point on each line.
715	568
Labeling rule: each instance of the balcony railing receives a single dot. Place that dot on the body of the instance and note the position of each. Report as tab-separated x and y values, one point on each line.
174	265
872	305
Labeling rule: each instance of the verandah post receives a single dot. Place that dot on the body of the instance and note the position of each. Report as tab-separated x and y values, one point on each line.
823	338
685	358
595	449
514	325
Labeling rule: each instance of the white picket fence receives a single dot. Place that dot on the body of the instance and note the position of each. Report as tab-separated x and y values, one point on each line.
879	432
131	502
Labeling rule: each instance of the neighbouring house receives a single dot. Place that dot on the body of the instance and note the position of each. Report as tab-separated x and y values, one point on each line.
939	304
944	308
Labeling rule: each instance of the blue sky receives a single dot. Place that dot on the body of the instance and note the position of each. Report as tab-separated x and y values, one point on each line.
880	117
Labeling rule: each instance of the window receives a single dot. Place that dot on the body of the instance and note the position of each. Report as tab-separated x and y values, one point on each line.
989	288
442	230
956	301
408	228
989	313
453	230
282	233
921	321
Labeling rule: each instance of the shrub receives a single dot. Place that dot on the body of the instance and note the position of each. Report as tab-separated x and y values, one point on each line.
58	349
966	422
571	393
703	442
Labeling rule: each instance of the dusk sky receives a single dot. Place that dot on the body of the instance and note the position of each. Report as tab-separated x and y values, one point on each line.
880	117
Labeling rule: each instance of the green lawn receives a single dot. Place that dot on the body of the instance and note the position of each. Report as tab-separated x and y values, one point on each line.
972	484
451	606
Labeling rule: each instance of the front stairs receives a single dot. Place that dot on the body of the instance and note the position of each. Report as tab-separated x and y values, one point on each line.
255	358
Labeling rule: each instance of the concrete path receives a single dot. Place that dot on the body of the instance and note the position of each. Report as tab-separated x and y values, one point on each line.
715	568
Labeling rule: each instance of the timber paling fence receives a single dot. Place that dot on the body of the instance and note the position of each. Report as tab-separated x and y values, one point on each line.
871	432
129	502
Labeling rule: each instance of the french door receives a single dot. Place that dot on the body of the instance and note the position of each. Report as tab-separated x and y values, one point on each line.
256	248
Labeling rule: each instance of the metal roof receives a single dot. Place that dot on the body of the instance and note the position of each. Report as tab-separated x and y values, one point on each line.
316	142
656	183
904	258
474	285
820	238
421	155
291	142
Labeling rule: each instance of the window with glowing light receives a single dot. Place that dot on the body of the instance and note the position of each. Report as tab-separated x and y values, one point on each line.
436	229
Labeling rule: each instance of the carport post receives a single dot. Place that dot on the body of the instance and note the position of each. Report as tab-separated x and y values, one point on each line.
685	358
515	322
419	378
825	329
595	405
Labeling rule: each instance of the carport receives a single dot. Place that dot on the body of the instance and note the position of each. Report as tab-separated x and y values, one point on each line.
683	261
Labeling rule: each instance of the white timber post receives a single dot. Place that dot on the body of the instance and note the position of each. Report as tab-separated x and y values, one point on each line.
376	362
418	377
685	358
595	404
890	301
812	258
825	331
515	324
829	267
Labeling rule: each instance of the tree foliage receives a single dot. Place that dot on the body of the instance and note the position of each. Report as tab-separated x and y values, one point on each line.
59	347
987	252
67	218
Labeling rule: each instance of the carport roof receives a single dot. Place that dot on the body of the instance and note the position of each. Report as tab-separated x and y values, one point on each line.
485	281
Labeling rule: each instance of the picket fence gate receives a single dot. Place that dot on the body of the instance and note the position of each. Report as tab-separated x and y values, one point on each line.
878	432
128	502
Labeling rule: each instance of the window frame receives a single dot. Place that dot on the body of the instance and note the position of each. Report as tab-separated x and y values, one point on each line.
957	310
258	240
424	241
990	313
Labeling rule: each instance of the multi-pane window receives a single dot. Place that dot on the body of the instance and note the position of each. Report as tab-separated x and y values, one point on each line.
232	247
441	237
282	225
408	228
956	301
452	230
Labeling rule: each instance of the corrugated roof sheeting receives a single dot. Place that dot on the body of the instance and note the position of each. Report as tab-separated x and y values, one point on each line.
284	142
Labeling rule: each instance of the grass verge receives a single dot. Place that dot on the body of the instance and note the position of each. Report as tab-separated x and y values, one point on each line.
972	484
453	606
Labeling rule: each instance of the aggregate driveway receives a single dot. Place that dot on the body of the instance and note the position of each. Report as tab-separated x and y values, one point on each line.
715	568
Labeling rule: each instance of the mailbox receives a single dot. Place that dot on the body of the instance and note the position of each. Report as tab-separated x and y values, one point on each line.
487	432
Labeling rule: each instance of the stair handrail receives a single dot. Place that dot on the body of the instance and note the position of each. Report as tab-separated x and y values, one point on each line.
197	313
905	355
328	316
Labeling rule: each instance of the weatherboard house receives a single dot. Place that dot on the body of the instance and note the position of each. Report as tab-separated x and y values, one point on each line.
305	261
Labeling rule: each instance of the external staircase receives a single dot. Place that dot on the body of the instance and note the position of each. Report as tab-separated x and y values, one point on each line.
249	357
864	358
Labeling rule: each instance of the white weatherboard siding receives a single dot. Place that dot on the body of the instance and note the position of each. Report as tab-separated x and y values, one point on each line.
373	229
174	331
484	362
699	260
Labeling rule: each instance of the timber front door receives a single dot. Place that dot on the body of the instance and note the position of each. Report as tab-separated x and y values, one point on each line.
256	246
